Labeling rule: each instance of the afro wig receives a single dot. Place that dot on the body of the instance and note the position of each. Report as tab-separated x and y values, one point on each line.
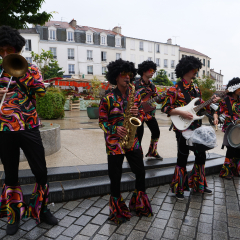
234	81
187	64
118	66
145	66
11	37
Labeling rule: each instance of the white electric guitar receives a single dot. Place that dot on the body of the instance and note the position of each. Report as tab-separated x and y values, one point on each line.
182	123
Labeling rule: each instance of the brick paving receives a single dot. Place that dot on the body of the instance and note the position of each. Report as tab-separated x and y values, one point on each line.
199	216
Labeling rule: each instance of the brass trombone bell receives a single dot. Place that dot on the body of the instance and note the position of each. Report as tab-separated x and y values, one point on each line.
15	65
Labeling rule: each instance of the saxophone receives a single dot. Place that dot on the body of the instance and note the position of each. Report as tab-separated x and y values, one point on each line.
130	123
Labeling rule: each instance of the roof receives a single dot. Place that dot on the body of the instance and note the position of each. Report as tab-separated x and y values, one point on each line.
28	30
188	50
212	70
59	24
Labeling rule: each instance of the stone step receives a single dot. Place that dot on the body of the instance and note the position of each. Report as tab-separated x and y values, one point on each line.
100	185
86	171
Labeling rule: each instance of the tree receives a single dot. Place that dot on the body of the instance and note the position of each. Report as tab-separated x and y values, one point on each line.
207	87
17	13
162	79
48	67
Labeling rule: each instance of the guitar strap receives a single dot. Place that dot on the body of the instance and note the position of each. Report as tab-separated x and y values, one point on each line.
229	106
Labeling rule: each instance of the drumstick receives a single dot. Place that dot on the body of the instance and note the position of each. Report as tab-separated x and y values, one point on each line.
216	127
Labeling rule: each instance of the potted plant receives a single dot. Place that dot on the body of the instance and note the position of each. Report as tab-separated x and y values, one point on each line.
93	110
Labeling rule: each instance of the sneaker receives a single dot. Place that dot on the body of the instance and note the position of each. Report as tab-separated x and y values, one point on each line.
12	228
48	218
180	196
158	157
207	191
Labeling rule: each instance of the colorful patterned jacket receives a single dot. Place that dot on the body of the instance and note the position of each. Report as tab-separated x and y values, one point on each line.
111	115
144	89
18	112
175	98
223	109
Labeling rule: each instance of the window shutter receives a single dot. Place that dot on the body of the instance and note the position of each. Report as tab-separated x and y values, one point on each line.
29	45
123	42
96	38
45	33
111	40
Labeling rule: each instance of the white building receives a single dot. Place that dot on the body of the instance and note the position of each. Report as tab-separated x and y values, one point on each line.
218	78
165	55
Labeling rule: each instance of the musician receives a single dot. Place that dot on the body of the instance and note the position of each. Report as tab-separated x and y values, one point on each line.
186	69
19	123
148	90
110	88
112	111
230	107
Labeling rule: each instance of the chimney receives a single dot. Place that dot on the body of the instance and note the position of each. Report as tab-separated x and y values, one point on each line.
220	72
117	30
73	23
169	41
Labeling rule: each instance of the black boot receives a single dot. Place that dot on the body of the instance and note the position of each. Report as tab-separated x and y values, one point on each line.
12	228
48	218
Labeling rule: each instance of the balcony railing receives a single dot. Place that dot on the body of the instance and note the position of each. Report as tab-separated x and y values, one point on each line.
71	72
141	49
104	60
89	58
54	57
69	57
165	66
172	66
90	72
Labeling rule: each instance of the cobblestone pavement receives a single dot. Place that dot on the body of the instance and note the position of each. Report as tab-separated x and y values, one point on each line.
199	216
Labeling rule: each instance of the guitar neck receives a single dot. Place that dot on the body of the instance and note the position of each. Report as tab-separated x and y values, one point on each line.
155	98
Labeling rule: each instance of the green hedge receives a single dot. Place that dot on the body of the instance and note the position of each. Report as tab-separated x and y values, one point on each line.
51	106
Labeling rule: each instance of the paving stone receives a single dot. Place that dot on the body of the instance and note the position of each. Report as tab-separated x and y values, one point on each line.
148	219
219	189
81	237
231	193
94	198
160	195
17	235
233	214
54	232
234	232
205	218
208	203
196	198
219	195
207	210
72	230
124	229
105	210
154	233
77	212
177	214
100	237
133	221
117	237
159	223
232	206
164	188
44	238
219	208
170	199
188	231
174	223
208	197
44	225
171	233
220	216
233	222
180	206
100	219
66	221
27	226
55	207
195	205
220	226
205	228
157	201
218	235
93	211
231	199
2	233
163	214
83	220
101	203
193	212
201	236
61	213
107	229
71	205
155	208
136	235
167	206
143	226
89	230
86	204
190	221
61	237
220	201
151	190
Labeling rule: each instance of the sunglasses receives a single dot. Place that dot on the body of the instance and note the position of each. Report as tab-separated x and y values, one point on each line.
151	71
9	50
124	74
195	70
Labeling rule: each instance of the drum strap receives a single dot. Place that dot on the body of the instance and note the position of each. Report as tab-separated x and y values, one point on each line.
229	106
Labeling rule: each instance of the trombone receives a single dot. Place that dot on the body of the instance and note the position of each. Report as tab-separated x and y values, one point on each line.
16	66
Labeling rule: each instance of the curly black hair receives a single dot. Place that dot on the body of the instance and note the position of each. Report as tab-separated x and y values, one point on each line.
118	66
232	82
187	64
145	66
11	37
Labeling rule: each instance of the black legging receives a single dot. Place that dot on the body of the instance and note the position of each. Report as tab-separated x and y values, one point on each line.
183	152
135	161
153	127
31	143
233	152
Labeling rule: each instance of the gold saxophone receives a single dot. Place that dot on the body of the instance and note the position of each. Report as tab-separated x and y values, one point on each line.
130	123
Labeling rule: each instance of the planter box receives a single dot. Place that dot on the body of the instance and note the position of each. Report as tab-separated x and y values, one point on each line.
93	112
67	105
85	103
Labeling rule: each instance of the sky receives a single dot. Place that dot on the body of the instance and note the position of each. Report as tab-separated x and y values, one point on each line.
208	26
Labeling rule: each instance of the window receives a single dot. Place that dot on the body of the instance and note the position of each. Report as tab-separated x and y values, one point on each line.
150	47
158	62
29	59
52	34
208	73
173	51
103	40
149	59
89	38
208	64
203	72
54	51
118	41
165	63
203	62
141	46
197	74
70	53
104	56
71	68
172	75
165	49
133	44
70	36
89	55
172	63
158	48
90	69
118	55
104	69
28	46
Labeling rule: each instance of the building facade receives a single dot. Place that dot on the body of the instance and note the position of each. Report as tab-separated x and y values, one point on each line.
218	78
